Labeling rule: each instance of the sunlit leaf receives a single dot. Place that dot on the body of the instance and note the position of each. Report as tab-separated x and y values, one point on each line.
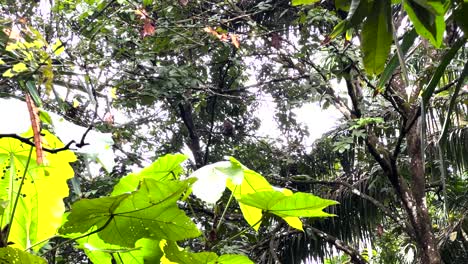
58	47
232	259
150	212
174	254
164	168
212	179
16	256
39	210
20	67
253	182
299	204
8	73
303	2
145	251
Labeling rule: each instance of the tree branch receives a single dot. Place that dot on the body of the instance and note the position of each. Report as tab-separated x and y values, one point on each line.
353	253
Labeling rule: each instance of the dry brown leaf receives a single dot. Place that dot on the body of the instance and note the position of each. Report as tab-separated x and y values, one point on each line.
183	2
13	32
36	127
235	40
223	36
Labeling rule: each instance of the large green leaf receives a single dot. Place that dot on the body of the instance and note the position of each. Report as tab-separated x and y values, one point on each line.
212	178
299	204
253	182
9	255
145	251
164	168
39	210
150	212
303	2
174	254
429	25
232	259
377	37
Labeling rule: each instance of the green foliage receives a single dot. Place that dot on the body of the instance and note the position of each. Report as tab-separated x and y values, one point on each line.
12	255
298	204
376	36
428	18
180	85
408	41
165	168
303	2
150	212
144	207
38	212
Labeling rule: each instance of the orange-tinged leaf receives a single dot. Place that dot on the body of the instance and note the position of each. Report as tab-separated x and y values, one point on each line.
235	40
211	30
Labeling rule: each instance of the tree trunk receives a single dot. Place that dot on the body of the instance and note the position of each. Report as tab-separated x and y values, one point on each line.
414	199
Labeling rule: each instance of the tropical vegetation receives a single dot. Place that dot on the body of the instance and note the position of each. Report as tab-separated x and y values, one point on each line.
131	131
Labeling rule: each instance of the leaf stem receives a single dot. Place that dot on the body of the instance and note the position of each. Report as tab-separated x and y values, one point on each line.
400	55
239	233
225	209
18	194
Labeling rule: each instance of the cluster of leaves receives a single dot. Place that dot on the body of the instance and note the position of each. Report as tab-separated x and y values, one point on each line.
140	221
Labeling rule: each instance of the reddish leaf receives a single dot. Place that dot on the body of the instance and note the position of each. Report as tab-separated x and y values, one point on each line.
183	2
148	28
109	118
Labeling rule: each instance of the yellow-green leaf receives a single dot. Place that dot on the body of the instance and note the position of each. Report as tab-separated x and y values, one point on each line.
303	2
39	210
58	47
16	256
8	73
252	183
20	67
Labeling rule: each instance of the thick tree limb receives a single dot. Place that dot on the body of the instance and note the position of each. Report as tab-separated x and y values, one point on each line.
194	140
